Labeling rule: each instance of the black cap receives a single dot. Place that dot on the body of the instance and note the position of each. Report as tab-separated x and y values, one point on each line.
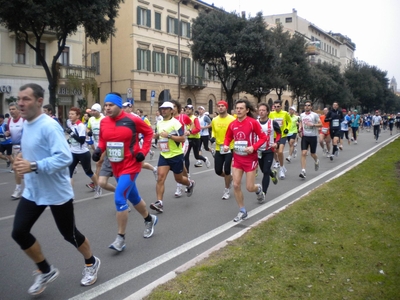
1	116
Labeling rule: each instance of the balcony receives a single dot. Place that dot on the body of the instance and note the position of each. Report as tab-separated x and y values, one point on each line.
48	34
192	82
312	50
79	72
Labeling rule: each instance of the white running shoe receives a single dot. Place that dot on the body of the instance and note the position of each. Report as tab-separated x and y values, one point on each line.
276	165
226	194
295	153
289	159
41	280
17	194
90	273
98	193
155	172
151	154
178	192
281	174
208	163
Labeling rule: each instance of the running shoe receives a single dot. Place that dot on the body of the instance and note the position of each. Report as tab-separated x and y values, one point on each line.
189	189
75	171
260	195
8	163
17	194
91	186
336	153
154	146
155	172
317	165
240	216
274	177
41	280
355	142
178	192
12	171
289	159
157	206
340	147
276	165
90	273
213	152
328	155
149	226
198	164
281	174
119	244
208	163
331	157
295	153
99	192
226	194
302	174
151	154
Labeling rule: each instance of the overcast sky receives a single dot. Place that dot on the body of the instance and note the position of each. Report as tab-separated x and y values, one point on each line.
372	25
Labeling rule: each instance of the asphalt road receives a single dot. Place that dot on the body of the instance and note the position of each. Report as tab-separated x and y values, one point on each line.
187	228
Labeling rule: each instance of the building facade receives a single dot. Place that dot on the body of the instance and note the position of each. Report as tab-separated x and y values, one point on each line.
19	65
149	60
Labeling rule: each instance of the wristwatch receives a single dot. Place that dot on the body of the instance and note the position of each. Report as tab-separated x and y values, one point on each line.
34	166
169	136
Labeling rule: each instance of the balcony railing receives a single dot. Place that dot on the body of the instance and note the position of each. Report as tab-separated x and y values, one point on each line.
312	50
48	34
76	71
192	82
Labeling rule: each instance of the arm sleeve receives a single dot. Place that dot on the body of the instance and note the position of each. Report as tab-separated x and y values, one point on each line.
262	137
196	128
101	143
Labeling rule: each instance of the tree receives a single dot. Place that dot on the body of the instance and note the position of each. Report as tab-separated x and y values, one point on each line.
30	20
232	47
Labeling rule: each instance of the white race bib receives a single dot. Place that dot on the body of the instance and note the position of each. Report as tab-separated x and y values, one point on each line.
115	151
239	147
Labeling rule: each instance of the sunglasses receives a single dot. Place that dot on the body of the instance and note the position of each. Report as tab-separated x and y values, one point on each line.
307	105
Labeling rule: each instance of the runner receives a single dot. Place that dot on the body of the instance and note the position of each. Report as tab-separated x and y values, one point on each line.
119	138
292	135
391	120
44	165
266	151
222	160
285	122
376	123
355	123
5	143
325	135
344	128
171	136
334	117
310	122
244	131
205	125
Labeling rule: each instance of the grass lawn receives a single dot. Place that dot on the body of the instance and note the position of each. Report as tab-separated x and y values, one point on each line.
342	241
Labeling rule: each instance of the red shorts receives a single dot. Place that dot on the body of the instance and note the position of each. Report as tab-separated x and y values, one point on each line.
247	163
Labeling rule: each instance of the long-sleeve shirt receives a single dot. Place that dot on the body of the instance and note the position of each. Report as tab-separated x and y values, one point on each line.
120	138
43	141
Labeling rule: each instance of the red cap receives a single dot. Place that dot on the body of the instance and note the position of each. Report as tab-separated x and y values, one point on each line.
377	111
344	110
223	103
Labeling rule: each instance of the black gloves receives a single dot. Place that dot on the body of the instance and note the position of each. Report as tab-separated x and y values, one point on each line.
68	130
96	154
139	157
212	140
286	131
90	133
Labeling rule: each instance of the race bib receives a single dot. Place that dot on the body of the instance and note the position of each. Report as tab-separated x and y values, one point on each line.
324	130
115	151
163	145
335	123
239	147
221	150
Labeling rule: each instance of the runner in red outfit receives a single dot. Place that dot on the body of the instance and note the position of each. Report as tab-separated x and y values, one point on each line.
244	131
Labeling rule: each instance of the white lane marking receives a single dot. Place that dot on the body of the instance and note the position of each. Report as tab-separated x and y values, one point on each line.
4	183
131	274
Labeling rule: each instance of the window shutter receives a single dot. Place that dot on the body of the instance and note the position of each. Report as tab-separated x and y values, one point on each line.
189	74
138	16
148	18
176	64
148	60
188	30
183	71
157	18
180	28
176	26
163	63
168	63
139	54
168	24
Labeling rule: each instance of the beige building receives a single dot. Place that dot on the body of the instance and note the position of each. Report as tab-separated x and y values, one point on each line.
333	48
19	65
149	59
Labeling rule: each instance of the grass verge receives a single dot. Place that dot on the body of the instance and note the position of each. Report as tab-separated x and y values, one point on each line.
342	241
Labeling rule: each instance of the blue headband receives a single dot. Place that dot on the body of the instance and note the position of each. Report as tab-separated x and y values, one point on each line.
113	99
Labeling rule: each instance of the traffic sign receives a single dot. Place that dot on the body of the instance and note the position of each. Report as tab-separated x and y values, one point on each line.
129	92
152	97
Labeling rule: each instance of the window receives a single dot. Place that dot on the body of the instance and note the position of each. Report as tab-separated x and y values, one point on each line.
288	20
277	21
65	57
185	29
143	17
96	62
185	70
42	53
172	64
158	62
172	25
20	48
157	20
143	60
143	95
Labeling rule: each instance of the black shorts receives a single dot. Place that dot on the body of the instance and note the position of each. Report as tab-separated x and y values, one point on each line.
335	133
292	137
282	141
7	148
175	163
311	141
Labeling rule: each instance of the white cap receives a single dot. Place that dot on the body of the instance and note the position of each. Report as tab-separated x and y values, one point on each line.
167	104
96	107
127	104
292	107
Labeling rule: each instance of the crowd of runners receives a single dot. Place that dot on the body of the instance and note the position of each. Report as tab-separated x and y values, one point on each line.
44	155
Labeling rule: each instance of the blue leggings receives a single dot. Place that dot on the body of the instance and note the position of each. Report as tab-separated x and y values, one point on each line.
126	189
